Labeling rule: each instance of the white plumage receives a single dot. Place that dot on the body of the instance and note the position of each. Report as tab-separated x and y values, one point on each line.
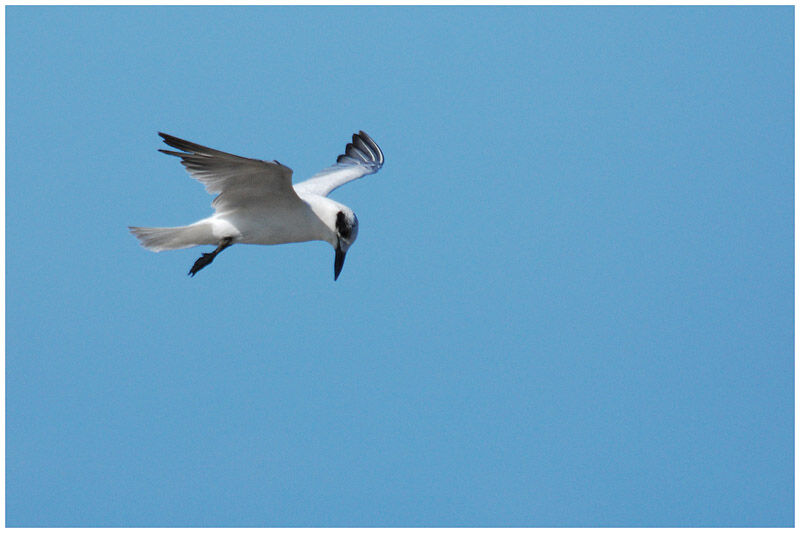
257	203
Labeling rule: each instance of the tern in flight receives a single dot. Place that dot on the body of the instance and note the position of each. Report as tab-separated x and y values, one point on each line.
256	202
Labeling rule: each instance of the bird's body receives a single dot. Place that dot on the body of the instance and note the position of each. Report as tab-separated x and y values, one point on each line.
274	223
257	203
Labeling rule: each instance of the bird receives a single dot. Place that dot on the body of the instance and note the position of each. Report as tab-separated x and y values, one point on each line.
256	202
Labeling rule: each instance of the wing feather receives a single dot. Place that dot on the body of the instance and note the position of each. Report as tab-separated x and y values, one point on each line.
236	180
361	157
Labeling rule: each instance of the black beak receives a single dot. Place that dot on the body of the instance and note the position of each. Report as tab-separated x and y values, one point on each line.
338	263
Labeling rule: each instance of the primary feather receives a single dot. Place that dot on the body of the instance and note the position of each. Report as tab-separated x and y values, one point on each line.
237	180
361	157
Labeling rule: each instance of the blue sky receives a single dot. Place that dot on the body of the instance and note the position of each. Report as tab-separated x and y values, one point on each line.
570	302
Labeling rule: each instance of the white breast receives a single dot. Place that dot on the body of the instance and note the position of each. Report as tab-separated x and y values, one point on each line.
273	224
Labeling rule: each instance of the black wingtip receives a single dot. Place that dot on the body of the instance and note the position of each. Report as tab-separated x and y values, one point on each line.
364	137
183	144
363	141
173	141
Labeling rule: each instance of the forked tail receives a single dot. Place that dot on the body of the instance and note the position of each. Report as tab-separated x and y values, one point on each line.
159	239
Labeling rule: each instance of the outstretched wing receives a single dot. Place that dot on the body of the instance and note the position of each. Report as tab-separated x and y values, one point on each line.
362	156
238	181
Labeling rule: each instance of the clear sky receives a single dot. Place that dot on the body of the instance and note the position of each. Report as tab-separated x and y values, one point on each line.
570	302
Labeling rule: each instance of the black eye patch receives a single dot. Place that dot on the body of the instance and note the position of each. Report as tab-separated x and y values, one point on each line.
342	226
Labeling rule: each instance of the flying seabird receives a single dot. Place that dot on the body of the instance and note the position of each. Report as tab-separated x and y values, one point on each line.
256	202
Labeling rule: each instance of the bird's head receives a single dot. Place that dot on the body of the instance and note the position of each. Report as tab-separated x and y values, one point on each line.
346	229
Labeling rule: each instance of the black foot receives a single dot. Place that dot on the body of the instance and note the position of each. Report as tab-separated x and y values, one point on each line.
204	260
207	258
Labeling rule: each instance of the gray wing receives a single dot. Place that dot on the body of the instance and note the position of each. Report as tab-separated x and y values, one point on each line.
238	181
362	156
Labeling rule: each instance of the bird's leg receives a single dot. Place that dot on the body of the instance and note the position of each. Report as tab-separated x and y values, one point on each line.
206	259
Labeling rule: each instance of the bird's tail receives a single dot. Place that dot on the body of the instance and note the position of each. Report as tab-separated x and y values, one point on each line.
159	239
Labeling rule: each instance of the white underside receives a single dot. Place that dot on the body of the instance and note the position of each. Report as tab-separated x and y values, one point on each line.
276	221
275	224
